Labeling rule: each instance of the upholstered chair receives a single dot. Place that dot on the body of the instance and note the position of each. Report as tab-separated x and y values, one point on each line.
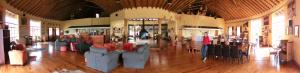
59	42
98	41
18	57
101	59
84	43
136	59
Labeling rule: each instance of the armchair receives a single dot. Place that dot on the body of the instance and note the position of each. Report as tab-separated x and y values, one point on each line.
136	59
19	56
58	43
102	60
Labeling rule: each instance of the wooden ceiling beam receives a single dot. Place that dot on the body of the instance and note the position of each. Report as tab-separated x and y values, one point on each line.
169	6
189	2
48	8
137	2
34	6
174	4
255	9
132	4
15	4
180	5
227	12
151	3
245	9
274	2
143	3
64	6
228	9
162	3
124	4
231	8
219	12
156	3
148	3
65	13
223	13
267	4
263	4
254	4
23	4
250	8
105	5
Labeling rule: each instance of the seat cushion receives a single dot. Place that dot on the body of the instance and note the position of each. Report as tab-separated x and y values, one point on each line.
141	48
128	47
110	47
98	50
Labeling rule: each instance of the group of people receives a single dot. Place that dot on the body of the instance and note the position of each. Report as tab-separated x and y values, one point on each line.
242	45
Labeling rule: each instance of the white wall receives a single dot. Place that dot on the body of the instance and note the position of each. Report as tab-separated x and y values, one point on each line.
86	22
197	20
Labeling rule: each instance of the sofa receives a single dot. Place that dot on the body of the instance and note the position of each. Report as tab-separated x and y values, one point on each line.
102	60
136	59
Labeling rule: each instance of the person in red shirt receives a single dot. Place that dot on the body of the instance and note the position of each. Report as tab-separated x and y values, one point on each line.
205	42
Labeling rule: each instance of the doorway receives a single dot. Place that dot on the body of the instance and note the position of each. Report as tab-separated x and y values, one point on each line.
255	33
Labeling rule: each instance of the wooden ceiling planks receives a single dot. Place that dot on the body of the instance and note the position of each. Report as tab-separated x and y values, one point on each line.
175	4
247	7
36	7
186	4
227	9
67	6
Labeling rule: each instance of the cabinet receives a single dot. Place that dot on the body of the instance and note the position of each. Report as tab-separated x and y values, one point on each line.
4	46
286	50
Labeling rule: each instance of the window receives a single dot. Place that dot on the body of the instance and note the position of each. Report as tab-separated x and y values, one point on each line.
255	32
57	31
12	20
238	31
50	31
278	27
35	29
230	31
97	15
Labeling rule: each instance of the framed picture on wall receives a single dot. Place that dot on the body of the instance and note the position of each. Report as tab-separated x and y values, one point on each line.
290	28
296	30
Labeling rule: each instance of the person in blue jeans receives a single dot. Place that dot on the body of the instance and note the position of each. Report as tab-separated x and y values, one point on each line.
205	42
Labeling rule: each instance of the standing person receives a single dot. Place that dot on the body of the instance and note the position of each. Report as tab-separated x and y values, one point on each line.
222	40
206	42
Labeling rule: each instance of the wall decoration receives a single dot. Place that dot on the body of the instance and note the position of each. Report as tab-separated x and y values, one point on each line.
23	20
291	9
296	30
266	31
245	32
290	28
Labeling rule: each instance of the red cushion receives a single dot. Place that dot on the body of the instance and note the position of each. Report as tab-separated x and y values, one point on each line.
110	47
128	47
98	46
20	47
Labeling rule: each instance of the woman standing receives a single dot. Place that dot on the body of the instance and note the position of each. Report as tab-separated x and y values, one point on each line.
206	42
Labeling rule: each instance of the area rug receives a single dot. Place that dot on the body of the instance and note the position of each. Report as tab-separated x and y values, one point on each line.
68	71
34	49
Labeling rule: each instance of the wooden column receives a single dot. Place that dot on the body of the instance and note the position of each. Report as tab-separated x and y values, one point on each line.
125	30
159	26
1	17
159	41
